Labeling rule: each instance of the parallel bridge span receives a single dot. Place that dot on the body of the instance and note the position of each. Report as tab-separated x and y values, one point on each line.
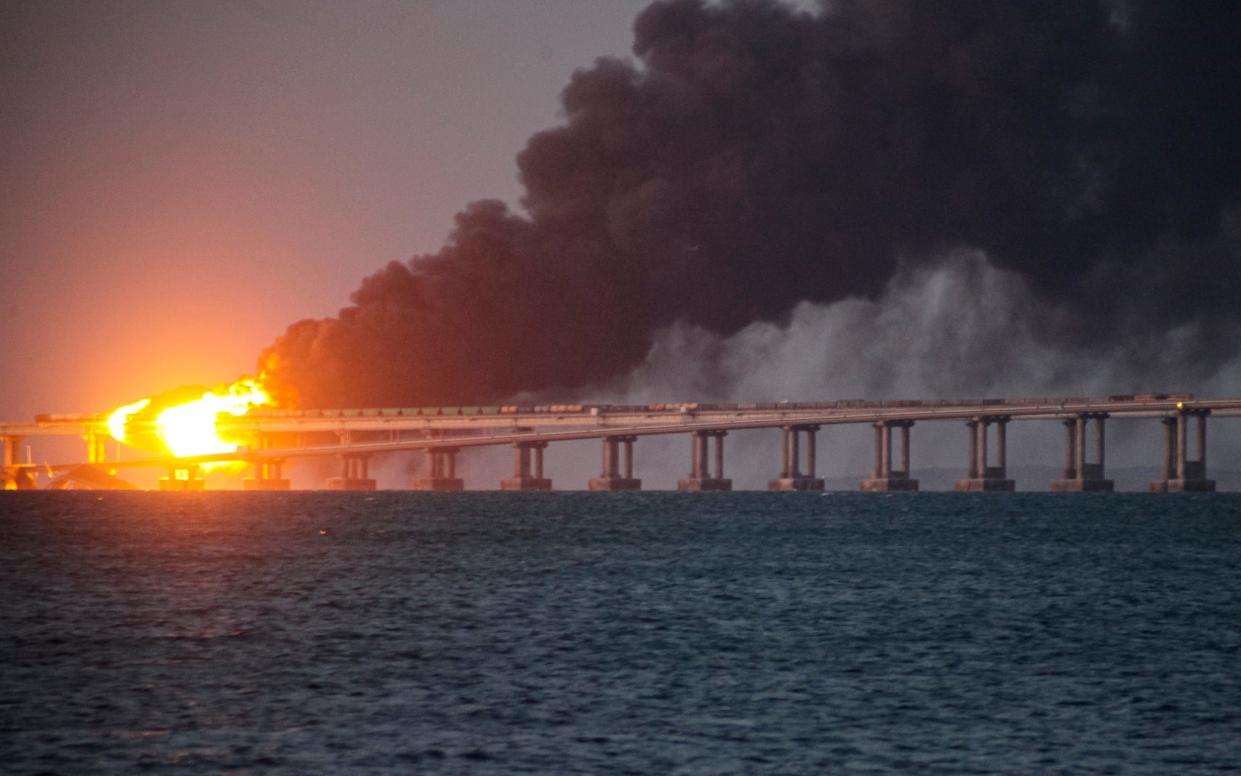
356	435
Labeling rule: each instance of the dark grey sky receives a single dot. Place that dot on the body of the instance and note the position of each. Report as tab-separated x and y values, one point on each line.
184	179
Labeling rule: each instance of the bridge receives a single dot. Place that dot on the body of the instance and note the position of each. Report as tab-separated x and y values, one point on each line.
354	436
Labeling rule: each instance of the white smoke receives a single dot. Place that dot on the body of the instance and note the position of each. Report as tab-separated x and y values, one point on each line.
960	329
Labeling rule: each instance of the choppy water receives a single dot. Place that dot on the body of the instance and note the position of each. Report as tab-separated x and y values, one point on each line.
636	633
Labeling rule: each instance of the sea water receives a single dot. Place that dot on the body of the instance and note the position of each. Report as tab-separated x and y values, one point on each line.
619	632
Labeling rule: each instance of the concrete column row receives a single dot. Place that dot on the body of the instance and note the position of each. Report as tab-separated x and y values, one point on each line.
1076	464
617	471
1180	473
527	467
268	472
798	472
979	464
11	476
884	475
528	459
355	467
883	449
1179	470
980	475
1079	473
443	462
701	477
700	467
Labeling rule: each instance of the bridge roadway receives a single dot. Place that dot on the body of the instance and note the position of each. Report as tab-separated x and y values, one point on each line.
447	430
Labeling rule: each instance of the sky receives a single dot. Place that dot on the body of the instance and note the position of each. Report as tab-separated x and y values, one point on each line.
185	179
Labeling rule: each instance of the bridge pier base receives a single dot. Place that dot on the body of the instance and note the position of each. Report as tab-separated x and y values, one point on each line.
183	479
267	472
442	467
354	474
791	477
1080	476
612	477
13	477
527	468
884	478
700	477
1181	475
981	477
17	479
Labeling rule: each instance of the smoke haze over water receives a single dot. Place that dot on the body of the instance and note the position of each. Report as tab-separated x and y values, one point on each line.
945	197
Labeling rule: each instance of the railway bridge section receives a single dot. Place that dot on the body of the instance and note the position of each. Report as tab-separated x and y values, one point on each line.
355	436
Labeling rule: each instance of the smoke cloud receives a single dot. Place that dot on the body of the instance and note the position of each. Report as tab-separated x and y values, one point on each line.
754	158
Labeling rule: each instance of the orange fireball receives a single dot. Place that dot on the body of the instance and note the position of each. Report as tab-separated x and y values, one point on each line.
187	426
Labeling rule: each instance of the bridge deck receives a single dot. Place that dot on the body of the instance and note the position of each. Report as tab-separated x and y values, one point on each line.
480	426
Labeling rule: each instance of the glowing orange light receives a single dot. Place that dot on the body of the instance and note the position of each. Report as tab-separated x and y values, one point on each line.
121	416
188	428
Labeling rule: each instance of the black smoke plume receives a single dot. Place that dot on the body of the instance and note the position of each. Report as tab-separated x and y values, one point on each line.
755	156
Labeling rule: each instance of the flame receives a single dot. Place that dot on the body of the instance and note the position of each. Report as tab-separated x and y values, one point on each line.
121	415
189	428
186	428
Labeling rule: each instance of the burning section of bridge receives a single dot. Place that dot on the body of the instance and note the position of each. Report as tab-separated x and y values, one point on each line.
184	421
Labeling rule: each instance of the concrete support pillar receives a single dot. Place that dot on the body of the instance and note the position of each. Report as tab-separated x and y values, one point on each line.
442	471
96	448
982	447
972	471
183	479
267	476
1169	448
981	476
719	454
1180	474
885	449
12	477
1070	447
611	456
906	467
1001	446
700	477
877	473
354	473
1181	452
12	450
791	475
1202	443
611	477
1079	475
267	471
703	440
886	476
791	437
528	468
1099	449
811	451
1079	432
521	461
